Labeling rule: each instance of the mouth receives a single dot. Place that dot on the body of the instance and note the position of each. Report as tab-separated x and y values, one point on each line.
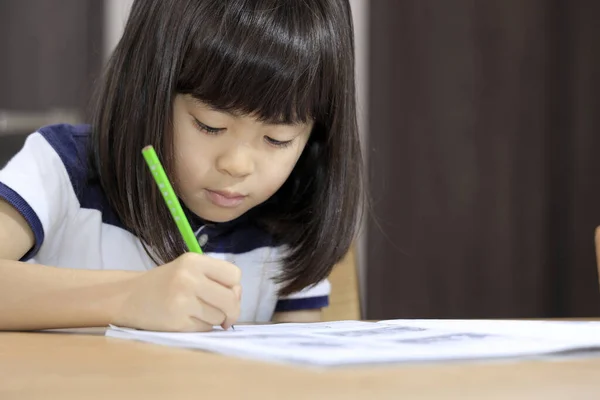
224	198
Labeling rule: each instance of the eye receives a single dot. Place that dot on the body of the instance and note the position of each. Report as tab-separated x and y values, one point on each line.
278	143
205	128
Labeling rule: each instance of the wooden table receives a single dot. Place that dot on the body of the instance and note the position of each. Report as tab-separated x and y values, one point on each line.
87	365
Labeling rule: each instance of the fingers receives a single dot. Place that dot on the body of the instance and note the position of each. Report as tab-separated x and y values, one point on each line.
216	283
217	270
208	314
195	325
222	272
222	298
232	317
238	292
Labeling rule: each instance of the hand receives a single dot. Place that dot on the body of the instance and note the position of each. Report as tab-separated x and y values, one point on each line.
192	293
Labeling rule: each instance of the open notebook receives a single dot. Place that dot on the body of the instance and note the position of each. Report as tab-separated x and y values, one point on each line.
394	341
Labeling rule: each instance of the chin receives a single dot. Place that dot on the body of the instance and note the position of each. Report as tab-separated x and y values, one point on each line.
218	216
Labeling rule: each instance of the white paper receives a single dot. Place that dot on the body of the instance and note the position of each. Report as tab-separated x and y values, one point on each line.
393	341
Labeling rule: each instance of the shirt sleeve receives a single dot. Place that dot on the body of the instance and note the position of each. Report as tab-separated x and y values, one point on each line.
311	298
35	182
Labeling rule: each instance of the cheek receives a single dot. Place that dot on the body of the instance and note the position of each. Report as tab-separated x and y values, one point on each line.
274	178
190	164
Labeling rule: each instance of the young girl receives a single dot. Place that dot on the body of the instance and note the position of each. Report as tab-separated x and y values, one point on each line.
250	105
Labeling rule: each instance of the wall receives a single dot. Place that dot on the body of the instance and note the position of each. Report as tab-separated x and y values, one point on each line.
360	11
115	16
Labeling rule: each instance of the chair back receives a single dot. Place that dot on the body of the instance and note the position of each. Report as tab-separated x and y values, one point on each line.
344	300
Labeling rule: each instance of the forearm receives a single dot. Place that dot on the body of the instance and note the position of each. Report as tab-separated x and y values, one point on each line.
41	297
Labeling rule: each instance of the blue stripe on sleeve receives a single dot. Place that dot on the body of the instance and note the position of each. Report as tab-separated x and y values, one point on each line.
307	303
15	200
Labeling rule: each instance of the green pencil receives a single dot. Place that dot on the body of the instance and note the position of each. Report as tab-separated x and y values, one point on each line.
168	194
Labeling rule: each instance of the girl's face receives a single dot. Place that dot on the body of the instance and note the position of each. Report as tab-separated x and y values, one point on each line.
227	164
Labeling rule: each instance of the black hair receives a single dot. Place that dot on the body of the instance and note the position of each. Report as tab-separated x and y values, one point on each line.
281	60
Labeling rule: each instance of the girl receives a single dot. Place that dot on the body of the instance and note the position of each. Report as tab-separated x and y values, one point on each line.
250	104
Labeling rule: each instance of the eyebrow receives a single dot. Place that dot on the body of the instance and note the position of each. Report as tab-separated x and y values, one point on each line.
237	114
215	108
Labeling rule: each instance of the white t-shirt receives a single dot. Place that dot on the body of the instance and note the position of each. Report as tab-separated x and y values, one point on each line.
48	183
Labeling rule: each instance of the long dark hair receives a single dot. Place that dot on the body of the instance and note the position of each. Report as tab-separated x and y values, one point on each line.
284	61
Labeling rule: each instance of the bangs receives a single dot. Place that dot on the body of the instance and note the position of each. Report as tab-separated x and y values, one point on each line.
267	59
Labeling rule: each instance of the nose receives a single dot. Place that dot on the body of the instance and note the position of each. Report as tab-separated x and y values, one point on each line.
236	162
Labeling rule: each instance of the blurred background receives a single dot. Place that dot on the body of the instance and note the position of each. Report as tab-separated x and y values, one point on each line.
480	127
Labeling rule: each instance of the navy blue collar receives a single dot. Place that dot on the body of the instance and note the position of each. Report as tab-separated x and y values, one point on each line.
217	228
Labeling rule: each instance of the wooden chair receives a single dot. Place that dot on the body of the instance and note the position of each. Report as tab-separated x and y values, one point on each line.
344	301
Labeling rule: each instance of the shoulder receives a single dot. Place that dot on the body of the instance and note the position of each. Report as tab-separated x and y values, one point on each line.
71	144
66	140
51	144
57	151
42	168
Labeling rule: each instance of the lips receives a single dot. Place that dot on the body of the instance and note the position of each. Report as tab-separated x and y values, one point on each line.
227	194
226	199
